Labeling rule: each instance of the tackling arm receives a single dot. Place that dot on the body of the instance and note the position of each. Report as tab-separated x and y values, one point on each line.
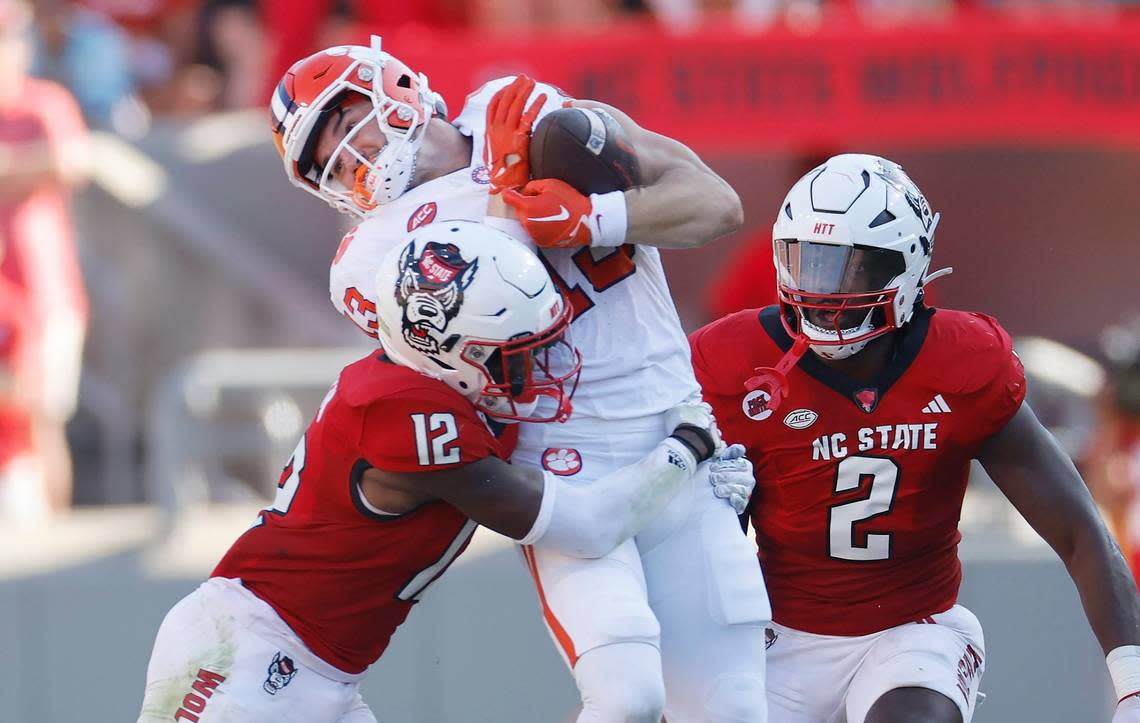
536	507
1040	480
683	203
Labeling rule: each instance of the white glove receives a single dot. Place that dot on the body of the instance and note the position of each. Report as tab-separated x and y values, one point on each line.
1128	710
732	478
698	414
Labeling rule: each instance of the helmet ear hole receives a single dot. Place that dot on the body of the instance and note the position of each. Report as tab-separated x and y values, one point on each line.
405	81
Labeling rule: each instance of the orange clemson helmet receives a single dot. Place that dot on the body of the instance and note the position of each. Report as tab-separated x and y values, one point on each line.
316	86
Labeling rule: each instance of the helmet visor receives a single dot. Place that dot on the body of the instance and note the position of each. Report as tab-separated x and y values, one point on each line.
816	268
836	287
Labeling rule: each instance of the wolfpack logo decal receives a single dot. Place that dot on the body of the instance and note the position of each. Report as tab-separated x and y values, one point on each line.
897	178
755	405
430	292
770	637
562	462
867	399
800	418
281	671
423	215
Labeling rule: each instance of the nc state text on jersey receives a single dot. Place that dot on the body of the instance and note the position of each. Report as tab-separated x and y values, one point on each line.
883	437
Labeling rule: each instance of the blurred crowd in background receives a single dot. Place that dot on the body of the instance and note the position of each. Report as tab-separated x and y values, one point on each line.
129	60
128	65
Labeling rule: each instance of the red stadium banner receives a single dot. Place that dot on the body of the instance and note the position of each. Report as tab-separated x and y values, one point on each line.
967	82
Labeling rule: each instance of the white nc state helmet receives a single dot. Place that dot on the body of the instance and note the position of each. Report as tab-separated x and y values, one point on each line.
315	87
852	243
471	306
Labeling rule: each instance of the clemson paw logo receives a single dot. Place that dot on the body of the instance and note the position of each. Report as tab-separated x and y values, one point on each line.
561	461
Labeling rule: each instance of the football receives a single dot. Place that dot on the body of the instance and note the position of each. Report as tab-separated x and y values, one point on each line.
585	147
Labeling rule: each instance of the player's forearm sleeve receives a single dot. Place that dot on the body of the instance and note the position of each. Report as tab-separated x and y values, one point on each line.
590	519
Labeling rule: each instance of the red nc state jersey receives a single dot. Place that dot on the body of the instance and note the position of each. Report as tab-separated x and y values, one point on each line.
340	573
860	485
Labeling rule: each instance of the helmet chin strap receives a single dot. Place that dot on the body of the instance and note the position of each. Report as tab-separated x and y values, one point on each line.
937	275
519	409
773	381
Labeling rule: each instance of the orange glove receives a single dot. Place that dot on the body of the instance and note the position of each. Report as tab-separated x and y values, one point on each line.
557	216
507	146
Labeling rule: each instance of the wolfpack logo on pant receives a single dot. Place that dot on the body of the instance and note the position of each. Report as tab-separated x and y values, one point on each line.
281	671
430	292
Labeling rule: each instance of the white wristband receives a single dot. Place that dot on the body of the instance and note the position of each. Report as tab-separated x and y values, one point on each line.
608	219
1124	669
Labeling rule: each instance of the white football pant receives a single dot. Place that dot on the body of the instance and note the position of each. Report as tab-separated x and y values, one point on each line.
831	678
224	656
689	586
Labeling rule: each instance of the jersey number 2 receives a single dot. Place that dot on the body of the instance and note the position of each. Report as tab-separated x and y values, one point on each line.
601	273
881	476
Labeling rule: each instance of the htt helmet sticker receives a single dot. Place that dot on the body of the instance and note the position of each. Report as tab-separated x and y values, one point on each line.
430	292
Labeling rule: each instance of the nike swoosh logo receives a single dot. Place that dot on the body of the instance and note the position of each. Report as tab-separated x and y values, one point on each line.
561	216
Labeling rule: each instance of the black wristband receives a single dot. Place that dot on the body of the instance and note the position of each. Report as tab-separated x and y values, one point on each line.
698	440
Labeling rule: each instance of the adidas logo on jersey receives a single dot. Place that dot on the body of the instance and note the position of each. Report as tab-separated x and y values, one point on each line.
937	405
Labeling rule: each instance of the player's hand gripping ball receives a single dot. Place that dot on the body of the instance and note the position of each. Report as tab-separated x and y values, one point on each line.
576	153
507	146
585	147
554	214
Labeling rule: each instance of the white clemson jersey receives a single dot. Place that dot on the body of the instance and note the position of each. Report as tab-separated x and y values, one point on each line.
635	356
